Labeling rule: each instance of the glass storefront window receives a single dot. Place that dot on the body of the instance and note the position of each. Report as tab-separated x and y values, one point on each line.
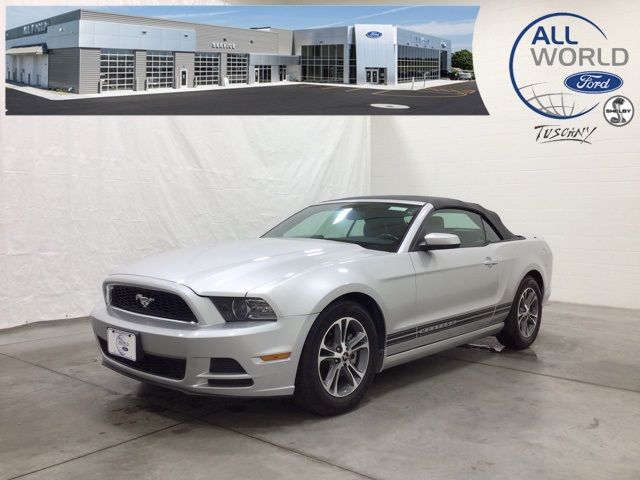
352	64
417	63
322	63
262	73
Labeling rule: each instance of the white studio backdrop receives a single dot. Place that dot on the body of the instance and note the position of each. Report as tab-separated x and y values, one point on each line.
81	195
583	199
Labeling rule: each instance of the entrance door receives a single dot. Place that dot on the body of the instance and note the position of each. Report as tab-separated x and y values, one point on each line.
183	77
373	75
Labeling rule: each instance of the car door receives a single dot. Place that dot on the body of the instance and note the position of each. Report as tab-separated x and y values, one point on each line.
456	289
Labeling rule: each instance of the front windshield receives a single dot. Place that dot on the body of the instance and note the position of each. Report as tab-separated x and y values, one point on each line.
374	225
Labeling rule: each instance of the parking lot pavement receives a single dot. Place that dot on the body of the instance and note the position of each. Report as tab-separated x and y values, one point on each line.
297	99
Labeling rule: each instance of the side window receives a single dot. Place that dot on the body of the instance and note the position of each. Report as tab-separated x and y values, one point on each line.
490	233
468	226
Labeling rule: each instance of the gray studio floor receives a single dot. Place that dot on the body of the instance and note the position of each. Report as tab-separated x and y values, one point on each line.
569	408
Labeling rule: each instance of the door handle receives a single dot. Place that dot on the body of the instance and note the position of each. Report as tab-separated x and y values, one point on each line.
490	262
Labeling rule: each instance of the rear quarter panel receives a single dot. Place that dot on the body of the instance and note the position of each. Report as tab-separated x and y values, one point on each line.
517	258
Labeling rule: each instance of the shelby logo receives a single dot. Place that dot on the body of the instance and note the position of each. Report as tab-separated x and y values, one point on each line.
544	60
373	34
618	111
593	82
556	133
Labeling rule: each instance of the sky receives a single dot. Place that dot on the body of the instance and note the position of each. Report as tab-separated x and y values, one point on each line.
454	23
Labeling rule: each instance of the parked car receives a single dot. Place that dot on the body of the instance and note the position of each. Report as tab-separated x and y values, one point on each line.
325	300
466	75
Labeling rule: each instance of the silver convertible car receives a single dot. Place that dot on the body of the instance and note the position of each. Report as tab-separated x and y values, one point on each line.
322	302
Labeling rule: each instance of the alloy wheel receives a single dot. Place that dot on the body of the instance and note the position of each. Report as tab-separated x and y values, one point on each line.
528	310
343	357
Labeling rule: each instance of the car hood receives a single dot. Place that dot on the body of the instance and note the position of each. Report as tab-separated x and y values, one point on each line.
238	267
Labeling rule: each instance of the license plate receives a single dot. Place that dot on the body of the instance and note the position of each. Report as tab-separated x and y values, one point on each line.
121	344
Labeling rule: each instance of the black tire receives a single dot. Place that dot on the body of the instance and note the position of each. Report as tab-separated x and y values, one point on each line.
512	335
310	393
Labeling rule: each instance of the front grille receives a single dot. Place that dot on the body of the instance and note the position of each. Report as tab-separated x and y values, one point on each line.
158	303
154	364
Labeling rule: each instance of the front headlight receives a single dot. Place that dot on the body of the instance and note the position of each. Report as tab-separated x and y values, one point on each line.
242	309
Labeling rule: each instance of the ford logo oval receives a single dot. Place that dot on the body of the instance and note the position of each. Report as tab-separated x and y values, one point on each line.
374	34
593	82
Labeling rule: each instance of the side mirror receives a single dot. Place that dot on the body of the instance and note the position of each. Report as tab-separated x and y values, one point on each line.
439	241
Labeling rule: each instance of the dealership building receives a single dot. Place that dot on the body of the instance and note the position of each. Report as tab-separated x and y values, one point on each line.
85	51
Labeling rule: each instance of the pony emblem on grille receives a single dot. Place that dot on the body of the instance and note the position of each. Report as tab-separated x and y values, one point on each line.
144	301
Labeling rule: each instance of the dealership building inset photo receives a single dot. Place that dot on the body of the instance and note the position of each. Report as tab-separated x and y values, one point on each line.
90	52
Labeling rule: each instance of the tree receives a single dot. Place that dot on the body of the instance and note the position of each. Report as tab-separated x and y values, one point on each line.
462	59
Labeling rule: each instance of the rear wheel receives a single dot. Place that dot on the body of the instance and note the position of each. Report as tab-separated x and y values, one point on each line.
523	322
339	360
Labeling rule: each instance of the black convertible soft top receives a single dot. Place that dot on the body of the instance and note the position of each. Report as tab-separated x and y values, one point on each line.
442	202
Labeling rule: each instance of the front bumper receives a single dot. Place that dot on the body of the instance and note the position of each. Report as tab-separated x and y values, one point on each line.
197	344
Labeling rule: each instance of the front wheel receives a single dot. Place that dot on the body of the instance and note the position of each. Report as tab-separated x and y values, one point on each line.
339	360
523	322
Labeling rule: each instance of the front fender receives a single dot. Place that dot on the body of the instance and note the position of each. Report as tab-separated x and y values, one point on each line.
388	279
347	289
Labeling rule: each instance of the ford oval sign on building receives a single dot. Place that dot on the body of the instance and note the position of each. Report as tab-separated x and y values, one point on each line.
593	82
373	34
